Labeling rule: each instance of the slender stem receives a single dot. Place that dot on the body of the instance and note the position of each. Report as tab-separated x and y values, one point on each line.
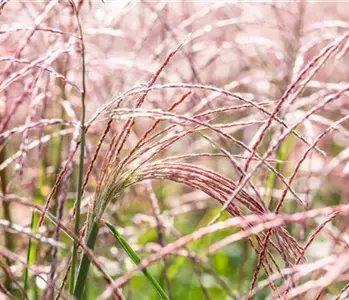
82	155
85	263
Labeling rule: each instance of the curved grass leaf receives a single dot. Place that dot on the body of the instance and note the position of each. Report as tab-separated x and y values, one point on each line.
135	258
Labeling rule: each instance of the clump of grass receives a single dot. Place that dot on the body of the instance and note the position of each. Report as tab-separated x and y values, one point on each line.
220	162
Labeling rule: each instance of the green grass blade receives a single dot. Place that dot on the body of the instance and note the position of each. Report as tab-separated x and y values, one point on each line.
26	274
135	258
32	244
78	204
85	264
